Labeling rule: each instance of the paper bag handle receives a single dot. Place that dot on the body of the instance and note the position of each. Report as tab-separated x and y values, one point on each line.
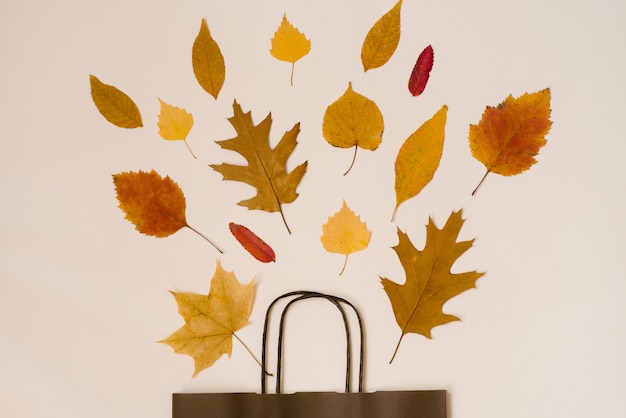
302	295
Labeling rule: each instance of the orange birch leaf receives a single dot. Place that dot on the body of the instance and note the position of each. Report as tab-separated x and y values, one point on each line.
252	243
382	39
155	205
419	158
289	44
115	105
208	61
418	302
509	136
212	320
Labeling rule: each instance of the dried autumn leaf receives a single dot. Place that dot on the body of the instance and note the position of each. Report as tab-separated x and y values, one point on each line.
266	170
289	44
252	243
419	158
417	304
175	124
212	320
508	137
115	105
382	39
208	61
154	204
421	71
345	233
353	120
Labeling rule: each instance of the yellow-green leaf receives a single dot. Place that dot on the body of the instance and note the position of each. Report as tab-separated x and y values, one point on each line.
289	44
353	120
382	39
175	123
115	105
419	157
345	233
208	61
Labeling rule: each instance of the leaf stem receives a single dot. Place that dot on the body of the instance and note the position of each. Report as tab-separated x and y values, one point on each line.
396	350
345	262
206	238
282	214
252	354
356	147
189	148
293	64
481	182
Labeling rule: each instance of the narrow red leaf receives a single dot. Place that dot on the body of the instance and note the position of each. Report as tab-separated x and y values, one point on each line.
421	71
252	243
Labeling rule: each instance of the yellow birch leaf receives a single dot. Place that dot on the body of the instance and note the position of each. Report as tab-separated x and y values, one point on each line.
289	44
175	123
114	105
355	121
508	136
211	320
345	233
382	39
419	157
208	61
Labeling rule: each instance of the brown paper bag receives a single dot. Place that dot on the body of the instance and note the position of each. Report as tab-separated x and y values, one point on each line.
382	404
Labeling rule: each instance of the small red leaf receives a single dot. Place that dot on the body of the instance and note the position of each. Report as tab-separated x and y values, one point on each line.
421	71
252	243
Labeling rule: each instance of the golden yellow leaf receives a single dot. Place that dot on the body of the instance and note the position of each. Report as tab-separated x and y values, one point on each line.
345	233
289	44
175	123
353	120
382	39
508	137
418	303
211	320
114	105
208	61
419	157
266	170
154	204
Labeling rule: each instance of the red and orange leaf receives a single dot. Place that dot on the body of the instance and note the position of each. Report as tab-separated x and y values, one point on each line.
421	71
509	136
252	243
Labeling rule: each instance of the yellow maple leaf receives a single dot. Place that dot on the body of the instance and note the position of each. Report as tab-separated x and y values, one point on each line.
419	157
114	104
382	39
208	62
211	320
345	233
266	170
175	124
508	136
289	44
418	302
353	120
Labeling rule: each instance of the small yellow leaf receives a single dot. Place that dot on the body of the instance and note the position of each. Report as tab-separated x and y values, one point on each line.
208	61
419	157
174	122
211	320
353	120
345	233
115	105
382	39
289	44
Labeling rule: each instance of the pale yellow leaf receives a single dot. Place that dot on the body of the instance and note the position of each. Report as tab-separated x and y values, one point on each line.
289	44
208	61
382	39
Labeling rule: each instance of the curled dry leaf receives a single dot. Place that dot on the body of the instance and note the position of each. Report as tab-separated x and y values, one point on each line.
289	44
508	136
382	39
175	123
115	105
421	71
252	243
208	61
212	320
353	120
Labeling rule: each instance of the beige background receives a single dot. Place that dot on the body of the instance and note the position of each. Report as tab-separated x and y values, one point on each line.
83	296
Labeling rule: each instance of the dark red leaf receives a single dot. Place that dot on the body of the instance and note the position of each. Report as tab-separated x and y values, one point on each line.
421	71
252	243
